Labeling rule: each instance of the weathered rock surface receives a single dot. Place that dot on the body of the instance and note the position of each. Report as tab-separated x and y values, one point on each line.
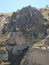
25	26
28	22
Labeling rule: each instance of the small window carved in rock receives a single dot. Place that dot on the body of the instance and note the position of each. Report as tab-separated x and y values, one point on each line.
17	28
27	28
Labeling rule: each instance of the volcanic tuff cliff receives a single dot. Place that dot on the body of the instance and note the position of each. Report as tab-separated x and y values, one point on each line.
21	29
28	22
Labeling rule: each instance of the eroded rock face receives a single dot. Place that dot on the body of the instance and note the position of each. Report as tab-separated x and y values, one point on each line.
25	26
28	21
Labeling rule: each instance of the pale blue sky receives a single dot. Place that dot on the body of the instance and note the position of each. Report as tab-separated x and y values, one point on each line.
13	5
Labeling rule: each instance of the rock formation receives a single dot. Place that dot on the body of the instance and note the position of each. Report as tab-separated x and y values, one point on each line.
25	27
28	22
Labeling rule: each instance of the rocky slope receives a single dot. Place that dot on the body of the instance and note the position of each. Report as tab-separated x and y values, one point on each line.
45	12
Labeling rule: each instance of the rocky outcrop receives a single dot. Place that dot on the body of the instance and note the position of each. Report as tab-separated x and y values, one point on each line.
28	22
25	26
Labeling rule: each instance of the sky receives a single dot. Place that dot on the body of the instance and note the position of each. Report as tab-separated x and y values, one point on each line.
14	5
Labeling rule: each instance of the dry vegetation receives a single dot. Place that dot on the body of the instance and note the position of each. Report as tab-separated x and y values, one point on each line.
4	37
